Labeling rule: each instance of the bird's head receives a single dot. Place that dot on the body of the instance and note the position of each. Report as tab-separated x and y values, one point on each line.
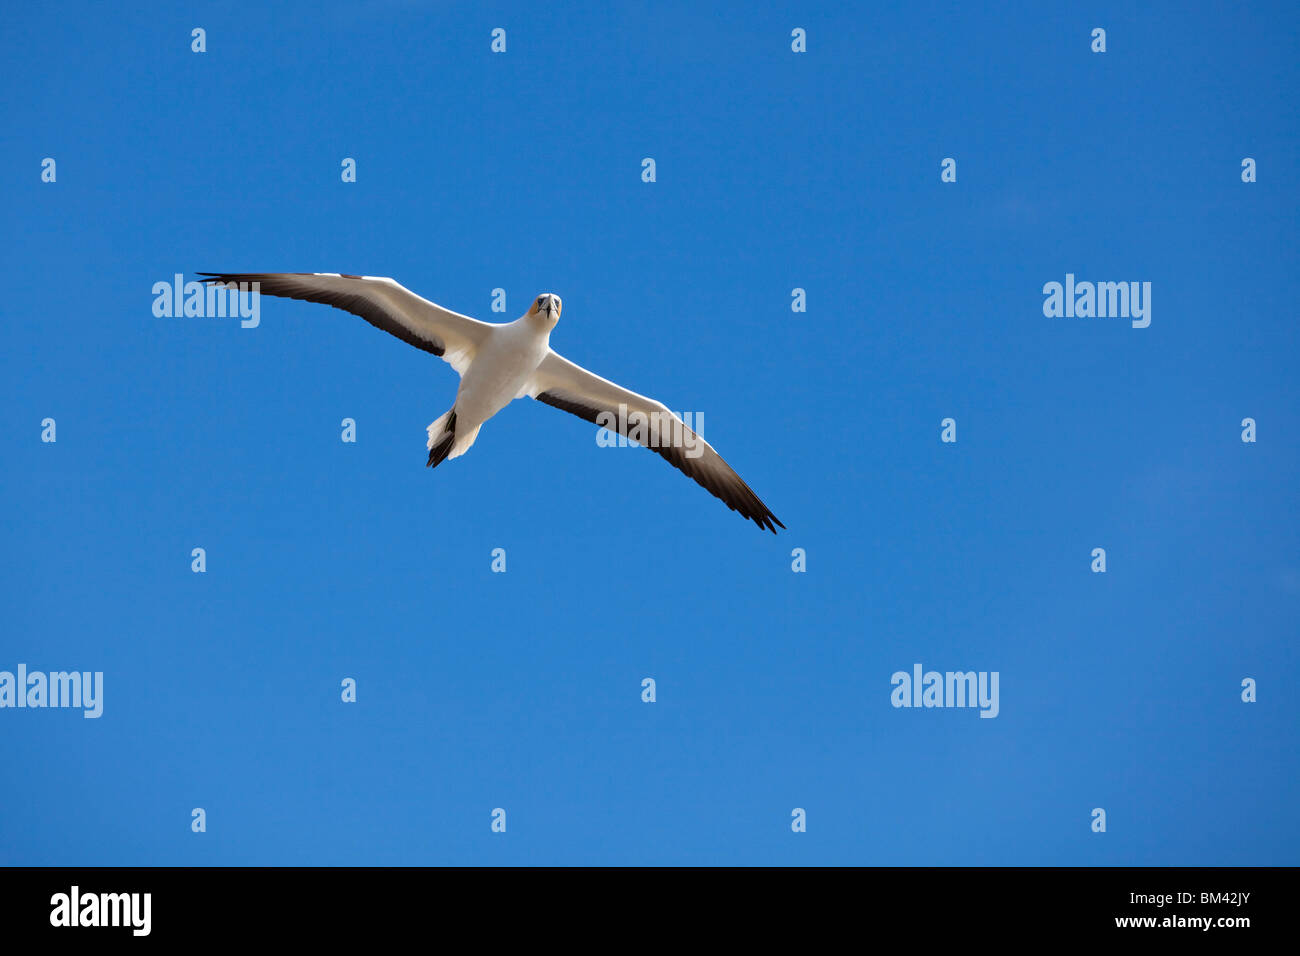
546	307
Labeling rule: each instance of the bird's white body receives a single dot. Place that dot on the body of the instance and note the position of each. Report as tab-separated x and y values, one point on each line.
499	363
501	370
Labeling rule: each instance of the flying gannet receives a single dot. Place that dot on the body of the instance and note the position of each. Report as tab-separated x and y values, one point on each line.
498	363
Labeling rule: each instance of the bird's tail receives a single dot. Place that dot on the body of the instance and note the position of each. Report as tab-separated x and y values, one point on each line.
442	435
444	443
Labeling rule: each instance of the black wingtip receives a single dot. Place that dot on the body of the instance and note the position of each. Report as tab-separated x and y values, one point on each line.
217	278
766	520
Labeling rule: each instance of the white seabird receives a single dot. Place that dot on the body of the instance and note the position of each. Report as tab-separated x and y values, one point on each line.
498	363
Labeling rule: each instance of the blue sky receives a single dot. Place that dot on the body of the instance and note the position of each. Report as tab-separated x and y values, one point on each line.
522	690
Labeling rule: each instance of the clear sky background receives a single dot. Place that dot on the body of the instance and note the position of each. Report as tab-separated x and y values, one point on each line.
522	690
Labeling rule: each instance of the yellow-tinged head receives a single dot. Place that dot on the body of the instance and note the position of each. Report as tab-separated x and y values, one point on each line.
547	306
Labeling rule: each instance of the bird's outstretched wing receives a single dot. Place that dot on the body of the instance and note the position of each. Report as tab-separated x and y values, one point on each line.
383	303
573	389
